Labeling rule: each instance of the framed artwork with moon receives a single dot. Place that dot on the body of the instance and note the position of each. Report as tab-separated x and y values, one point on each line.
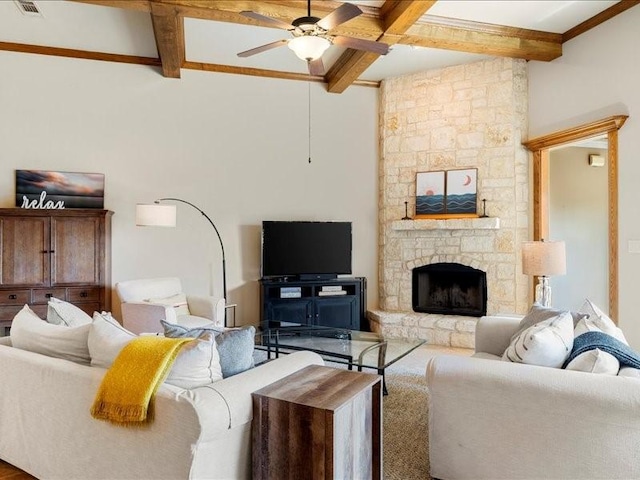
447	194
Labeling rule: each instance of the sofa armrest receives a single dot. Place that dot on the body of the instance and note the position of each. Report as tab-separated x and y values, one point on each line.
493	333
5	341
207	307
144	317
492	419
236	390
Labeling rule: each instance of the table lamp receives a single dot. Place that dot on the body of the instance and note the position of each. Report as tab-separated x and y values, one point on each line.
543	259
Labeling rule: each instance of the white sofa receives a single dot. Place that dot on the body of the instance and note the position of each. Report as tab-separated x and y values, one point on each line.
491	419
205	433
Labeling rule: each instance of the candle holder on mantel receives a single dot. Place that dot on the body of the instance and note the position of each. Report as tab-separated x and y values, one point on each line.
406	212
484	209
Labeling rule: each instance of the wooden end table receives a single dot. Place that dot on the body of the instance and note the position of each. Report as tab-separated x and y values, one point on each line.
318	423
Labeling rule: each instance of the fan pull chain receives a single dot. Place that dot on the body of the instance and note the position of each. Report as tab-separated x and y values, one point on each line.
309	119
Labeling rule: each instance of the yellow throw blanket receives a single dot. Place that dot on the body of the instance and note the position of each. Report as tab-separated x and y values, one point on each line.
126	392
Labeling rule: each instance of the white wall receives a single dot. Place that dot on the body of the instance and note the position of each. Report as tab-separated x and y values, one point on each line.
236	146
598	76
578	214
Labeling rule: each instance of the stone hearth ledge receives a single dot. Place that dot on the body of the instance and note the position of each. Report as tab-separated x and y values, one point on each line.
447	330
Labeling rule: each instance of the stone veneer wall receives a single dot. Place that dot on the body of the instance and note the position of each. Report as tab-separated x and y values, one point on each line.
467	116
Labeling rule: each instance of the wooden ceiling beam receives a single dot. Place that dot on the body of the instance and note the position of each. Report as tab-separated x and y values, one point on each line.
168	28
487	39
398	16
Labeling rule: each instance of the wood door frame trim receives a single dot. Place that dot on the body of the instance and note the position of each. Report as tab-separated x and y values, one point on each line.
540	147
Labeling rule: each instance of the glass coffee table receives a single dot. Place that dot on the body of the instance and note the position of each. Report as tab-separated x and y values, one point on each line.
353	348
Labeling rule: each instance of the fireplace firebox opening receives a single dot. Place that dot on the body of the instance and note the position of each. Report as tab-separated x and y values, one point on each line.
449	289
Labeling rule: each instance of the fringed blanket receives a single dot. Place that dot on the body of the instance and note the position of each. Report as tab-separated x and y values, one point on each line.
126	392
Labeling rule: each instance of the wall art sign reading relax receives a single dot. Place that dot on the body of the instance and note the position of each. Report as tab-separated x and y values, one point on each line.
56	190
447	194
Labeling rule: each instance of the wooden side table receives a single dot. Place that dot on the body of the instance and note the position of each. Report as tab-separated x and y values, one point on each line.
318	423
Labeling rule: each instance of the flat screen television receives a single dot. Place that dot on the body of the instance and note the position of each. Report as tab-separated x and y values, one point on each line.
306	250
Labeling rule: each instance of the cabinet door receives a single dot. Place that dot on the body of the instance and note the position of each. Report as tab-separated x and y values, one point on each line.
75	242
339	312
289	311
25	251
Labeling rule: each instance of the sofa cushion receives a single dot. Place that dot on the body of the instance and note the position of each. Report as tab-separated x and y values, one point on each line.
595	361
177	301
547	343
597	320
30	332
537	313
64	313
235	345
197	364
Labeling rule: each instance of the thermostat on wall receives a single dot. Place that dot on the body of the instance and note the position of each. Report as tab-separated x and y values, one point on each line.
596	160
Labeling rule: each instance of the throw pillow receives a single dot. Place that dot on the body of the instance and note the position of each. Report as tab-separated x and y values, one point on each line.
629	372
30	332
235	345
547	343
537	313
597	320
64	313
178	302
595	361
197	364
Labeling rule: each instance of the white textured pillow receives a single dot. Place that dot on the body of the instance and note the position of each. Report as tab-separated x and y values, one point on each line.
595	361
106	338
64	313
178	302
197	364
30	332
598	321
547	343
629	372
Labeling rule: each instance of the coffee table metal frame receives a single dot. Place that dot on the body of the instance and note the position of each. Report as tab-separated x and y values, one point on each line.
274	340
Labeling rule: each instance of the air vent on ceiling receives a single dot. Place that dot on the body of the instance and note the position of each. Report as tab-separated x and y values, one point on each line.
28	7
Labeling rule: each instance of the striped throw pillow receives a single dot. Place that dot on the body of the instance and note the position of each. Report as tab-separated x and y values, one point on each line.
547	343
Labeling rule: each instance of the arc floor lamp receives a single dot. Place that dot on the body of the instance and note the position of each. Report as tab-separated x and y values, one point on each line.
158	215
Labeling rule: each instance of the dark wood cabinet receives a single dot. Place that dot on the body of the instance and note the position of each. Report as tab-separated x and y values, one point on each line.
339	303
54	253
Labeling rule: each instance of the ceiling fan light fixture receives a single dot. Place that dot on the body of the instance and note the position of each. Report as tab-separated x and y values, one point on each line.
309	47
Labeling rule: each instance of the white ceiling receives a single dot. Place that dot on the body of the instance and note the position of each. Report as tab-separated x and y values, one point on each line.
112	30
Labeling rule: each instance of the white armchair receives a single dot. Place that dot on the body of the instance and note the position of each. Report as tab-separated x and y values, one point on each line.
140	315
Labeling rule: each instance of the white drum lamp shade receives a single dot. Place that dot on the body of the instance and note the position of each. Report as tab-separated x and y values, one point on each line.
543	259
155	215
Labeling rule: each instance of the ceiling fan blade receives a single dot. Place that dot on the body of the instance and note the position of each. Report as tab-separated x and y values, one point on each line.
361	44
263	48
274	22
344	12
316	67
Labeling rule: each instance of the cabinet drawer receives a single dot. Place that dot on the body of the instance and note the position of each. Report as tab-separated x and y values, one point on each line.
15	297
82	294
43	295
88	308
7	312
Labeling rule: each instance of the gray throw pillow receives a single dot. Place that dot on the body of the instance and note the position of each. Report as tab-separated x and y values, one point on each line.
235	345
538	314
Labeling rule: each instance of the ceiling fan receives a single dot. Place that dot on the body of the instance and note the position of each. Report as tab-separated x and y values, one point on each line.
311	36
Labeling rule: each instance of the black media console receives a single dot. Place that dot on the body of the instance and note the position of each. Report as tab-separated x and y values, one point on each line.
338	302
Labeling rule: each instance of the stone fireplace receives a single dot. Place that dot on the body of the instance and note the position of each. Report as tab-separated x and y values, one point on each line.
467	116
449	289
